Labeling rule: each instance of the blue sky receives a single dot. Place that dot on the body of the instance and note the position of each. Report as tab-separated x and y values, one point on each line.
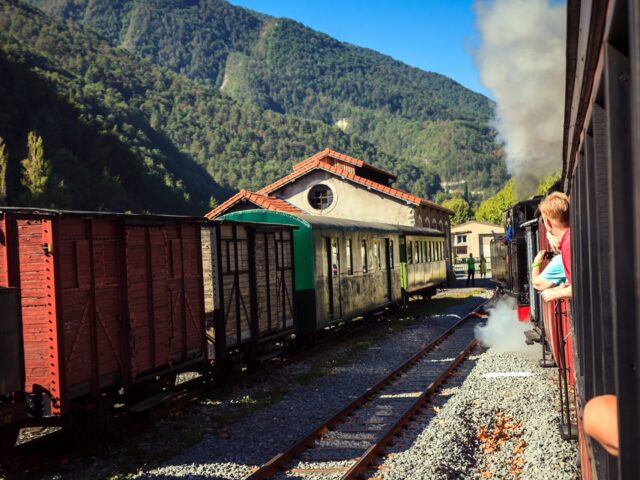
434	35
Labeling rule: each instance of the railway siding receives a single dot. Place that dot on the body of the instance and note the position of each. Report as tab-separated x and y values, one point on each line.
286	404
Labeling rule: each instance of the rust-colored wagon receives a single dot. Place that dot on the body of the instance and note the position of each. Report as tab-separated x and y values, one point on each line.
109	302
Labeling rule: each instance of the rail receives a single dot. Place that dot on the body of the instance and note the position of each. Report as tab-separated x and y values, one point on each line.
279	461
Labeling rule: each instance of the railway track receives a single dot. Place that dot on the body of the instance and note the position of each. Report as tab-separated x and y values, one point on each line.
349	444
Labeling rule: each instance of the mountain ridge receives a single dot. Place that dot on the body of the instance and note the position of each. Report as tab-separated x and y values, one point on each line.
165	142
283	66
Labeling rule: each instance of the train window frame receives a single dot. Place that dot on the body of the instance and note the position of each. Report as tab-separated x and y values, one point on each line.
410	252
363	256
349	255
376	255
320	197
391	256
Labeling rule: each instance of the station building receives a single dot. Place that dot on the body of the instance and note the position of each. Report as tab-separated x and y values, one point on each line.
474	237
336	185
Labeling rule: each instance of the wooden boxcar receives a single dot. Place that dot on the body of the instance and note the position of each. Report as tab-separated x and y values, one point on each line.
248	285
346	268
108	301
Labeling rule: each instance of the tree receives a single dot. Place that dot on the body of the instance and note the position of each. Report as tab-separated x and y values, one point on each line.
4	161
547	182
36	170
213	203
492	208
461	208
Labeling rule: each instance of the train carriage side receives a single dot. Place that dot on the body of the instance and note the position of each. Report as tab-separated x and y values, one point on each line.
423	258
248	286
107	301
343	268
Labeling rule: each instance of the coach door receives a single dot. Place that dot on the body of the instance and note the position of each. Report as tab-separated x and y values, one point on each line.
333	277
389	260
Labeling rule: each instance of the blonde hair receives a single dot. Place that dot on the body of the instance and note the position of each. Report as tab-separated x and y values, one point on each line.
556	207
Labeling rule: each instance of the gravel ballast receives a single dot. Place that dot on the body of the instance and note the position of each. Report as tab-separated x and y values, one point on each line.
478	426
500	423
255	439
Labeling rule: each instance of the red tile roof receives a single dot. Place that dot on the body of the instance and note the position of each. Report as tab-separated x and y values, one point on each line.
327	152
319	164
263	201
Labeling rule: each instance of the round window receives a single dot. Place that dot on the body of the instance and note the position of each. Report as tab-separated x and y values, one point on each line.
320	197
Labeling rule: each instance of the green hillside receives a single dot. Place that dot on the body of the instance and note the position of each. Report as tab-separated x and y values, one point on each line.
280	65
123	133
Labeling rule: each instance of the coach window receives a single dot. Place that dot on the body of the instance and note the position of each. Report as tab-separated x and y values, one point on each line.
349	258
431	259
390	254
363	256
376	255
410	252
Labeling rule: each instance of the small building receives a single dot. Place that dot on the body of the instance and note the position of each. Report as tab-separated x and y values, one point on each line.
336	185
474	237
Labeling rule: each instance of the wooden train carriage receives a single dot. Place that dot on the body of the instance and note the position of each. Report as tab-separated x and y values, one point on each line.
422	255
601	174
342	268
12	403
551	323
346	268
107	300
248	284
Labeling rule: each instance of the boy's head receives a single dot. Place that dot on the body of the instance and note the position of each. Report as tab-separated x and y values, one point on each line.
555	212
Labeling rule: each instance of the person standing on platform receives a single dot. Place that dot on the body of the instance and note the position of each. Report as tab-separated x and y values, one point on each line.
471	270
483	266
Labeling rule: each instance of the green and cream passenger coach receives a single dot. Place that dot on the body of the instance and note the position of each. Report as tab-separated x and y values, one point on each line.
347	268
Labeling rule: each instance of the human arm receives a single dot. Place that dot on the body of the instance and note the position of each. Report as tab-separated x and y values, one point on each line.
538	282
556	293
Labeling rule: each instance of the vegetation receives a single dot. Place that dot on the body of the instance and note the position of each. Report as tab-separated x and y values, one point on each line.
460	206
492	208
547	183
420	118
124	134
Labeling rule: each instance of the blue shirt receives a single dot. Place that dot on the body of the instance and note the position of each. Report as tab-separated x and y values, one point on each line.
554	271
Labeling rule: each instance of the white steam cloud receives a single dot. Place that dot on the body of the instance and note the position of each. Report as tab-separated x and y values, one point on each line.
504	332
521	59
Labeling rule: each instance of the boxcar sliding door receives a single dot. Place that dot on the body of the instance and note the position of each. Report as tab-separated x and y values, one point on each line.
147	297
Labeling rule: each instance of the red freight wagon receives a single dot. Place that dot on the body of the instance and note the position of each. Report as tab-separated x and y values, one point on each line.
108	301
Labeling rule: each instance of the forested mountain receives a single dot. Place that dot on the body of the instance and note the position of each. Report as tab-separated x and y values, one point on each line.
124	133
282	66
